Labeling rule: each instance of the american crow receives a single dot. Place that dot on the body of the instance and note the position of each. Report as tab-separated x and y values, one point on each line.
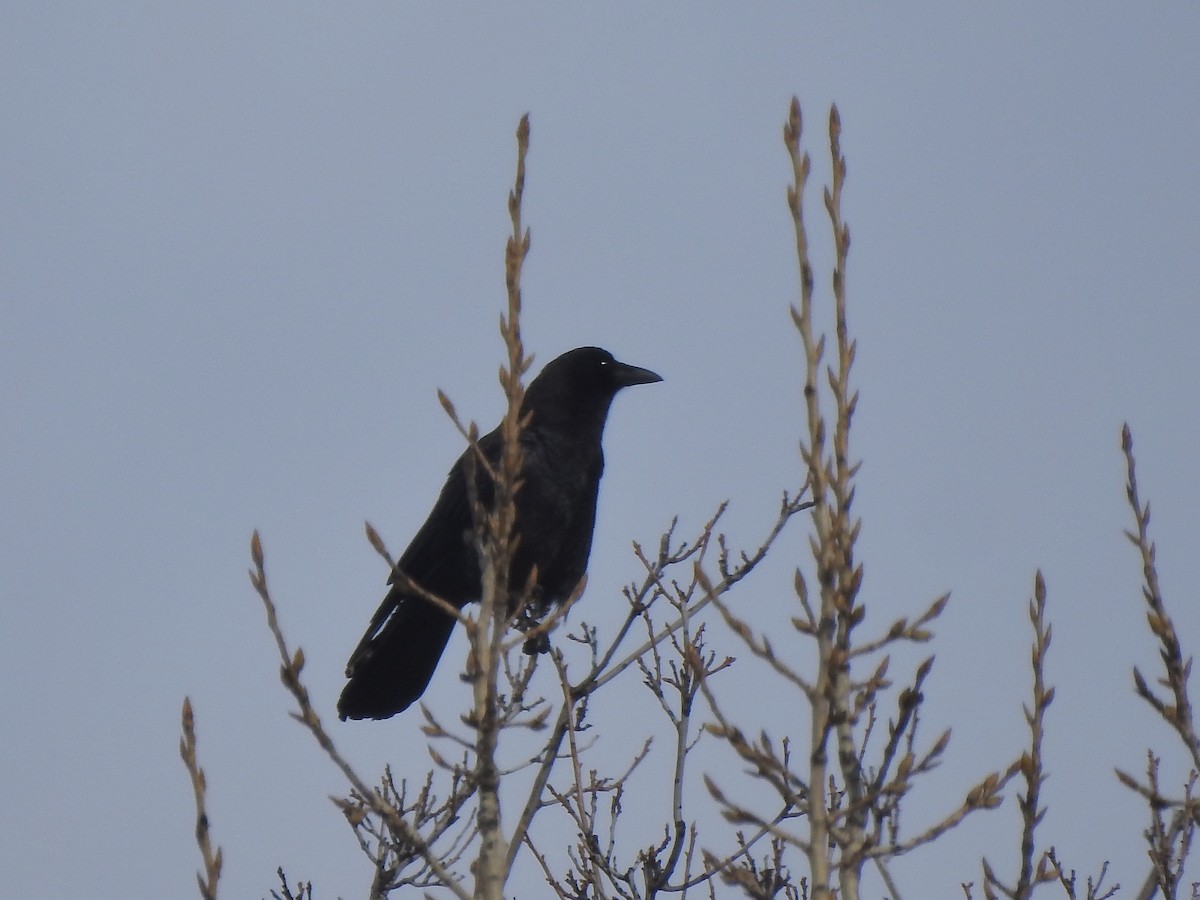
555	513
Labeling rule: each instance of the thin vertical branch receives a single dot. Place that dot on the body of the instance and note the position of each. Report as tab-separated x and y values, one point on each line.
845	528
1178	711
1031	763
813	453
206	880
1169	843
497	543
1034	869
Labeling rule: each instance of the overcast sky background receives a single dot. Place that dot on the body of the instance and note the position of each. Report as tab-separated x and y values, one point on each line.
244	243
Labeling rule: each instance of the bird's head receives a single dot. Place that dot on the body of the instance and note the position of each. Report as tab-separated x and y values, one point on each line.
581	384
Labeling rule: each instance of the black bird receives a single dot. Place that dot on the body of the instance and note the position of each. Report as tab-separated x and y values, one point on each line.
555	514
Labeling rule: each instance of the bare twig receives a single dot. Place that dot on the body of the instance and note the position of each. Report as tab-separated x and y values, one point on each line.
292	664
206	880
496	539
1169	842
1178	710
1035	868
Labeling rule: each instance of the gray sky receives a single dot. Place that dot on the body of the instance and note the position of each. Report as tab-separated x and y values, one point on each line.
245	243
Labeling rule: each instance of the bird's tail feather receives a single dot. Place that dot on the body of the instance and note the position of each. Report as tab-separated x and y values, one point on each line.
395	661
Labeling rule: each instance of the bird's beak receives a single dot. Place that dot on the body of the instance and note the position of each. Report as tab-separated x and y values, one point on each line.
625	375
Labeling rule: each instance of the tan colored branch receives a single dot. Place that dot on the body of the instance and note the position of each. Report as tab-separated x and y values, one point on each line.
206	880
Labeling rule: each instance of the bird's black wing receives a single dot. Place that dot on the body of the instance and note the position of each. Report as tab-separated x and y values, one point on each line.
556	515
441	556
396	657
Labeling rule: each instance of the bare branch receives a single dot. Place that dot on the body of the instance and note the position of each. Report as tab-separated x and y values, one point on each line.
291	666
208	879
